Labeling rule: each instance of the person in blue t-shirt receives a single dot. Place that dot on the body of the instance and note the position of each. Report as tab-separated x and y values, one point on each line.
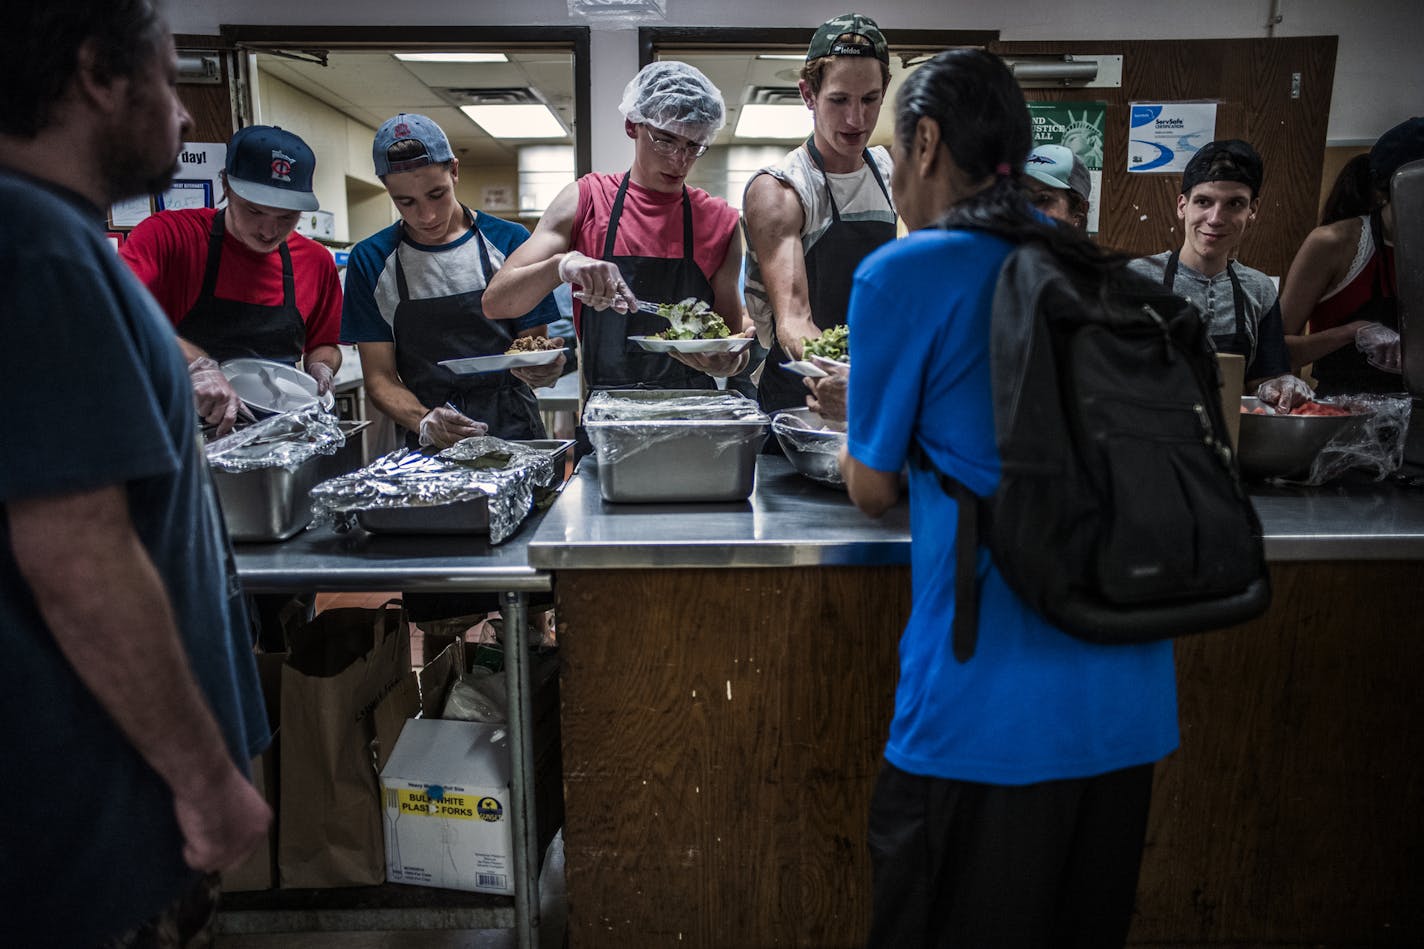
128	687
1012	803
414	297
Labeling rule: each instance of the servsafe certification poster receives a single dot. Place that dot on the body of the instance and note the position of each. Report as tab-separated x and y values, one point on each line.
1077	126
1163	136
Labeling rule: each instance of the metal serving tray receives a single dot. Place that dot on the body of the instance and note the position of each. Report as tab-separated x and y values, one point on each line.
459	517
651	460
271	504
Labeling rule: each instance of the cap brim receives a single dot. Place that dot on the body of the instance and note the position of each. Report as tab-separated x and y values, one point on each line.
1047	179
271	197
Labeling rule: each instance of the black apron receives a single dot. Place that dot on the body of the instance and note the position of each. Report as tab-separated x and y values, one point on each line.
830	270
1346	370
610	359
430	330
1238	341
228	329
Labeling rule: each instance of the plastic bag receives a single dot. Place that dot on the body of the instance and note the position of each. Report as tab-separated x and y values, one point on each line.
479	696
1375	446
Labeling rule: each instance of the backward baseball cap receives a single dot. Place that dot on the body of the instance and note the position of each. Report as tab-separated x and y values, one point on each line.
409	126
829	41
270	166
1227	159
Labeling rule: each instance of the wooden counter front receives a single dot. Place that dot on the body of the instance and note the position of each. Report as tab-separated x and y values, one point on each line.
722	729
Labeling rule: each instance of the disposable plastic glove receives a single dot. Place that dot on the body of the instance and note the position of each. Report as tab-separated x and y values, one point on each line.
828	393
601	282
1284	392
323	375
1380	344
216	402
443	426
536	377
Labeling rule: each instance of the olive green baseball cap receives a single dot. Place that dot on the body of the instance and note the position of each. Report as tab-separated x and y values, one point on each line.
834	38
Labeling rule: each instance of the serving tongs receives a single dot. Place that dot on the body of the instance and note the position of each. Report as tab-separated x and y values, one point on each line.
643	305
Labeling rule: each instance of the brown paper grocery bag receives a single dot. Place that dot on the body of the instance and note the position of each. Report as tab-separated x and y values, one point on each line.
342	666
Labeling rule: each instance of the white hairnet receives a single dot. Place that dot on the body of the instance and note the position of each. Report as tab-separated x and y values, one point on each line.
676	98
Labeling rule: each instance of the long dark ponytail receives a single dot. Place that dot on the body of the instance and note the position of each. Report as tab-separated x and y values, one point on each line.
983	121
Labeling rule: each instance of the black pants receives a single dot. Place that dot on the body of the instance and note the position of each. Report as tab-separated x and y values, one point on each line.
958	864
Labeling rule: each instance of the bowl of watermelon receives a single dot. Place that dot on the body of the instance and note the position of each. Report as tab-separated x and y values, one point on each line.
1279	445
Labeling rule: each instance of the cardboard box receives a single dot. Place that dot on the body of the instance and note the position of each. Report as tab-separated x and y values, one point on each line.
447	821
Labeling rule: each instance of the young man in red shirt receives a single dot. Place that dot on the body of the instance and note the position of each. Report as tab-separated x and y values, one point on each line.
239	281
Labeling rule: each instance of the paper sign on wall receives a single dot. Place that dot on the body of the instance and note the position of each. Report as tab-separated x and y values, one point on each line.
197	183
497	198
1079	127
1163	136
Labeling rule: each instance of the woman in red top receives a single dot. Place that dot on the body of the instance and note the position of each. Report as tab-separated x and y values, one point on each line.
1342	286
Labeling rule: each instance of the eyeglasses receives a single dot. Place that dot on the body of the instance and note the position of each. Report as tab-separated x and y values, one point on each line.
670	149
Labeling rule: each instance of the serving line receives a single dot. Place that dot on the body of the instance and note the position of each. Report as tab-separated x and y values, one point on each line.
791	522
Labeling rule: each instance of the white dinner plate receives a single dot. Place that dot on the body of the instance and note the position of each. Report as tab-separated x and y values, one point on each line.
473	364
804	367
272	387
731	344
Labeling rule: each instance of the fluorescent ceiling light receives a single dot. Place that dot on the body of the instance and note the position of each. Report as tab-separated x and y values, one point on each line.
516	121
773	121
452	57
789	57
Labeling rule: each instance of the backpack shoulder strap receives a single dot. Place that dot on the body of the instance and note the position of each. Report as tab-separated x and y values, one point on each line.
966	554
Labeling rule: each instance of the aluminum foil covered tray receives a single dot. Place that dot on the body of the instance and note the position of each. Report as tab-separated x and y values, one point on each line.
263	472
675	445
479	485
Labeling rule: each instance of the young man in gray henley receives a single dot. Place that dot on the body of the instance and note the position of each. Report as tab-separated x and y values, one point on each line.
1221	190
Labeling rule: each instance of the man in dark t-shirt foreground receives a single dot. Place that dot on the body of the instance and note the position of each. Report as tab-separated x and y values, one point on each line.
128	688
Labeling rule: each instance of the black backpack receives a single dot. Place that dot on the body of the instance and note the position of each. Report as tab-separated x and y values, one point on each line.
1120	515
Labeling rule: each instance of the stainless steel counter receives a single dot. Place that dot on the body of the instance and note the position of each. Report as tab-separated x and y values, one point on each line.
788	522
792	522
322	560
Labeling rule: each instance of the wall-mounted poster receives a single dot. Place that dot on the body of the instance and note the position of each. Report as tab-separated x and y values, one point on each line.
186	194
1163	136
1077	126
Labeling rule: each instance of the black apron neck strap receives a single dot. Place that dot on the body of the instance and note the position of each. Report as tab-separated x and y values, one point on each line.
215	242
616	214
210	270
479	240
1169	272
820	164
1238	300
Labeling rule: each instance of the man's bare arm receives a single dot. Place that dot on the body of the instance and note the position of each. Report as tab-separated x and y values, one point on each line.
103	600
531	272
773	218
384	386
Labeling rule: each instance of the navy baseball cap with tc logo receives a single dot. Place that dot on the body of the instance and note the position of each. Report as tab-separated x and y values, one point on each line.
272	167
